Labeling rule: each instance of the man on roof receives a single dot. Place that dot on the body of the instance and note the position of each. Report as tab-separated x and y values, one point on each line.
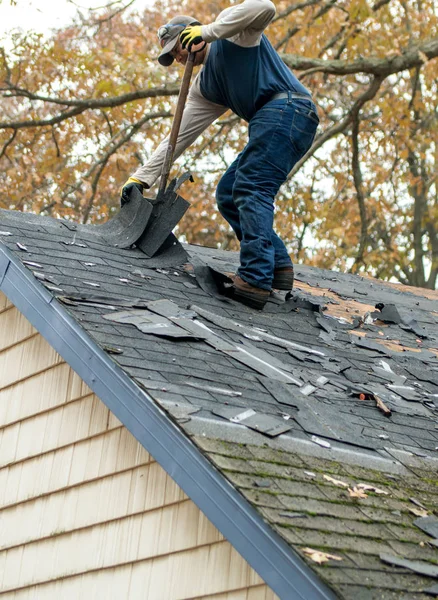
241	71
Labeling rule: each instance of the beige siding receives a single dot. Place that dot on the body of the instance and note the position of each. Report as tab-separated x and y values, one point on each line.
85	512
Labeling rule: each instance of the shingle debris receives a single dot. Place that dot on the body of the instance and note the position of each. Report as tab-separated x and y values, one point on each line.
429	525
267	424
418	566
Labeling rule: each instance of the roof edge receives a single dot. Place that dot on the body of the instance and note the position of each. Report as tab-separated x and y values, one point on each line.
268	554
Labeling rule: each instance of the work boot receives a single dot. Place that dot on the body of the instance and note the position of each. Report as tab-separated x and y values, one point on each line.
249	294
283	278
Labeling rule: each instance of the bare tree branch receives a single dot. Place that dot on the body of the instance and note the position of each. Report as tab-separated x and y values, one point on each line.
380	3
411	57
342	125
322	11
101	20
82	105
101	163
285	13
358	183
8	143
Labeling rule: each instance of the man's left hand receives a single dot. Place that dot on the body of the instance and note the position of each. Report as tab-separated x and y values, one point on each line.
191	36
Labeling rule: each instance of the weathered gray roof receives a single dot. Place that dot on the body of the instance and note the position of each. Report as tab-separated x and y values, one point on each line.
242	373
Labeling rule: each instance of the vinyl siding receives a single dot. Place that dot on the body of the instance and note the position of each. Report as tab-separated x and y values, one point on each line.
85	511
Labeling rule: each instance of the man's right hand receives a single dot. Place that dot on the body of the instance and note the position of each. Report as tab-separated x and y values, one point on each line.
127	187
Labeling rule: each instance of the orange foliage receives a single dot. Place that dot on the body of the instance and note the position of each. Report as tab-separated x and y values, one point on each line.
73	167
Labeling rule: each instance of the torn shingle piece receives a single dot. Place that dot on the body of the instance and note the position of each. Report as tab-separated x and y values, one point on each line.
5	233
22	247
324	420
251	357
210	280
422	374
307	389
263	423
356	376
180	411
432	591
212	389
167	308
149	323
201	331
329	339
297	354
91	284
271	360
267	337
363	342
429	525
262	366
406	392
415	328
330	324
388	375
261	483
306	301
418	566
388	313
282	393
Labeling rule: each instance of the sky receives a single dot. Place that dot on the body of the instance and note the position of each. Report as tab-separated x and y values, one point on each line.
43	15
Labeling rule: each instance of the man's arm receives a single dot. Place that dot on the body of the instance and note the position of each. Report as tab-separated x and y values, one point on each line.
198	114
254	15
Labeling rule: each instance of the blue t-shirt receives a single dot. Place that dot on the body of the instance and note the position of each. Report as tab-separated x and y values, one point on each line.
244	79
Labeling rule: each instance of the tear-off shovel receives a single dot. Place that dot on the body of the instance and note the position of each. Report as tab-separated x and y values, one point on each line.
168	207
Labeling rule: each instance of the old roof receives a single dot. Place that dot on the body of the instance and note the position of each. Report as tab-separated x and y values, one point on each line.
321	411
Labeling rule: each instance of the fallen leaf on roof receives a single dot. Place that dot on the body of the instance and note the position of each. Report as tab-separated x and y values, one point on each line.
419	512
371	488
357	493
335	481
320	557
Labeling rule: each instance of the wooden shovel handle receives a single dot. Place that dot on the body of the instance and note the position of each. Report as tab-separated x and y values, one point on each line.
182	97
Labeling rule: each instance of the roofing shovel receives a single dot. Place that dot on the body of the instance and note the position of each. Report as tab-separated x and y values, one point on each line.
168	207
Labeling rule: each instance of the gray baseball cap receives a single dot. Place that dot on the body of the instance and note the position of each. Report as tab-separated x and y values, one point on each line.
169	34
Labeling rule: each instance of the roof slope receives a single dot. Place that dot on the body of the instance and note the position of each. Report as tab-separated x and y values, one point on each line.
296	406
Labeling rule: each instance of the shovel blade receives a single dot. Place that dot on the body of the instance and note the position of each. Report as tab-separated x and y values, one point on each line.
167	212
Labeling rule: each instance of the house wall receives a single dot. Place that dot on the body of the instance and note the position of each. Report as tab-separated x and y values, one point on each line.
85	511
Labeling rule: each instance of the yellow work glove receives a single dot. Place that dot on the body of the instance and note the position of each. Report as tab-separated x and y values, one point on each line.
191	36
127	187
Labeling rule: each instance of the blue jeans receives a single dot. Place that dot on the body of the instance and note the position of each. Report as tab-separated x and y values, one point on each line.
280	133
